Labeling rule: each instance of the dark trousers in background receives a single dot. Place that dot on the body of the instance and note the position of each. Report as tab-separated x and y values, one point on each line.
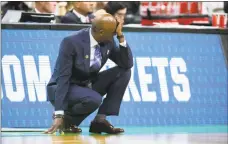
83	101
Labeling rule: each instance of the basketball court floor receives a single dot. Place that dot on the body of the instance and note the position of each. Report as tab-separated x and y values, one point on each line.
132	135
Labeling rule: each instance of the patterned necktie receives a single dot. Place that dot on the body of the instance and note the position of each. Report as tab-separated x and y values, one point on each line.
91	17
97	59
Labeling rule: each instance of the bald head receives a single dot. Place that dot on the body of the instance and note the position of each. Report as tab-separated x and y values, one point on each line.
105	21
104	27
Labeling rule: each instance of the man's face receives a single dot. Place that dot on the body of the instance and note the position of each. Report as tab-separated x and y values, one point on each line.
86	7
49	7
108	33
121	13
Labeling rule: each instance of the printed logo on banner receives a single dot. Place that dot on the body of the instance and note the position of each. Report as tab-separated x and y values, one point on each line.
37	76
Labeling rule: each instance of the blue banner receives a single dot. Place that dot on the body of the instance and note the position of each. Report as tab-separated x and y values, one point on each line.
177	79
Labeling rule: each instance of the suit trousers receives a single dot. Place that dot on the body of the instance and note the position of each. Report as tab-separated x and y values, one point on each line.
83	101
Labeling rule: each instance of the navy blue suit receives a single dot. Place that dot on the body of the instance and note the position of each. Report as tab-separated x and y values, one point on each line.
70	17
68	88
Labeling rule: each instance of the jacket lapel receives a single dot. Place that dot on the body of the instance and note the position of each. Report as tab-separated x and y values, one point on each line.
87	50
74	16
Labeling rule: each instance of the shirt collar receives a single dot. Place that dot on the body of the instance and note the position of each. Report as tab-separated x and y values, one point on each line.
37	11
82	17
93	42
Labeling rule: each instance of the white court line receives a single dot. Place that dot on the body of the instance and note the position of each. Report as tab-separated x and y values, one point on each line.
22	130
66	141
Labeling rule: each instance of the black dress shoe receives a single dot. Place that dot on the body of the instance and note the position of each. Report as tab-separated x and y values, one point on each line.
104	126
72	129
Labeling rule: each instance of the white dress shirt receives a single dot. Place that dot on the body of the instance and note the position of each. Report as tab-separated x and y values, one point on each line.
37	11
84	19
93	44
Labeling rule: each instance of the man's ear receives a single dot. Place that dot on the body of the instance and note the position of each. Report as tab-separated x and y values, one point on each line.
101	32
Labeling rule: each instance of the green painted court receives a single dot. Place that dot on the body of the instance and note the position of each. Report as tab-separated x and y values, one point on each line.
139	135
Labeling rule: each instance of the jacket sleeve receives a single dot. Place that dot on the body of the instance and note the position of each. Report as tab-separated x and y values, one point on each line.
121	55
64	66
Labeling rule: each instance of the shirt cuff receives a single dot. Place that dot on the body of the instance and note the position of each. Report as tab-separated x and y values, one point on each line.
124	44
59	112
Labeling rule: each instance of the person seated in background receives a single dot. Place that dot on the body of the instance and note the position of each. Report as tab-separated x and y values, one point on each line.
50	8
117	9
45	7
79	13
125	10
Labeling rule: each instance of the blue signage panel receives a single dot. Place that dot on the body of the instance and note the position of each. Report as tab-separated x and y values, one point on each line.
177	79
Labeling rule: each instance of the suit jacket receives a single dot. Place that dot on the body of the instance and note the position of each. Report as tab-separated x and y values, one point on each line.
73	64
70	17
